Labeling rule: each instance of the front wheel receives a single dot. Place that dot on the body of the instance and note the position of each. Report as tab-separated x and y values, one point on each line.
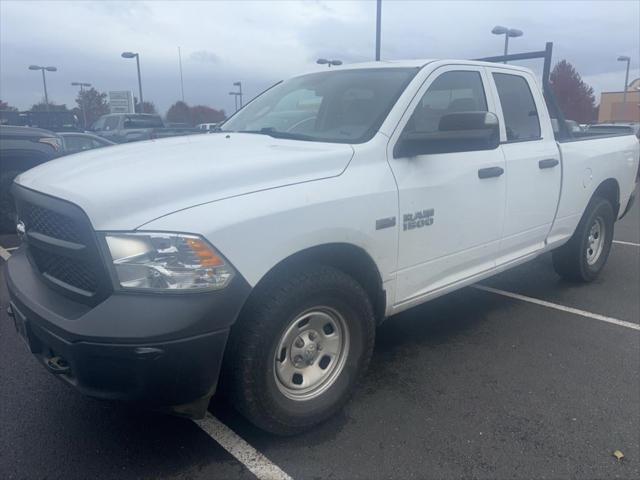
584	256
299	348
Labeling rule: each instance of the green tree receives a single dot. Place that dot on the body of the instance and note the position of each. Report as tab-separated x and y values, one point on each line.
92	104
52	107
179	112
146	107
204	114
575	97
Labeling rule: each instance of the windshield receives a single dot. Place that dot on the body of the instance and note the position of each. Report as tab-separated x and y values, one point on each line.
142	121
345	106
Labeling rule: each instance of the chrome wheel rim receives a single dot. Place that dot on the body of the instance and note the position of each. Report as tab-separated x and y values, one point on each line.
311	353
595	241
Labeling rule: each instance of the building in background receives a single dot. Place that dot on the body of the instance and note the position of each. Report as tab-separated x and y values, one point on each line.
613	110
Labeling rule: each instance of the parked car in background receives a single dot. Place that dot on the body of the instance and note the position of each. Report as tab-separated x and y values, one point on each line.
132	127
610	128
127	127
208	127
55	121
21	148
174	130
73	142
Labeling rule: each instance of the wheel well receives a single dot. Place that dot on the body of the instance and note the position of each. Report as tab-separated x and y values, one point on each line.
610	190
348	258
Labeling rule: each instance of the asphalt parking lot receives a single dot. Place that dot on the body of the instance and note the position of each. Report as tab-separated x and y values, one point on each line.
475	384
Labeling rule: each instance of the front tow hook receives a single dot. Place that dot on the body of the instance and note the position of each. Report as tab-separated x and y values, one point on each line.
57	365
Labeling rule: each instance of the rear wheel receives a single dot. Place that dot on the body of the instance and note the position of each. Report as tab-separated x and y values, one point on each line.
584	256
299	348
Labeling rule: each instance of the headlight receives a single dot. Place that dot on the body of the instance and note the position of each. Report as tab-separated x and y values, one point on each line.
167	261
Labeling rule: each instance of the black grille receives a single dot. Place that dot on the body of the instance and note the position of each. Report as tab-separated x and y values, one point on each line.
74	272
52	224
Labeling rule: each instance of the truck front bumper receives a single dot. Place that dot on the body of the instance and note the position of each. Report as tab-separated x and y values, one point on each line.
163	350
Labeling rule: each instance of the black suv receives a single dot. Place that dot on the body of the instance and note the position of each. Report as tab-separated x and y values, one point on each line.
21	148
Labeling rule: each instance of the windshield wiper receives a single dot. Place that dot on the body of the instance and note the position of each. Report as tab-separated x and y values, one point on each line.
278	134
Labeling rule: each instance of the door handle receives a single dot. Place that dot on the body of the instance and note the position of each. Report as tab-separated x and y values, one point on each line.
490	172
548	163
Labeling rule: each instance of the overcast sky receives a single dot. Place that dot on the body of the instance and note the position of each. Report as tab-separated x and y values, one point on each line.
260	42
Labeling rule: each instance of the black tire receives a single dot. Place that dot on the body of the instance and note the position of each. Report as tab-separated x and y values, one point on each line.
249	378
7	207
570	261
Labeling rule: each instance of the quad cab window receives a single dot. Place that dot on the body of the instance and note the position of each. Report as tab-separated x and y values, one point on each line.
452	116
451	92
518	107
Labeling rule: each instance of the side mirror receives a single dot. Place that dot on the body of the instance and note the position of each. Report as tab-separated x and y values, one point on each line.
457	132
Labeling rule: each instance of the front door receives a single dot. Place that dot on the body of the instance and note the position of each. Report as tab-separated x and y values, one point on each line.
452	203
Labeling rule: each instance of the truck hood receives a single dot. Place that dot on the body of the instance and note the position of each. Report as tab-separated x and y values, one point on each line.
125	186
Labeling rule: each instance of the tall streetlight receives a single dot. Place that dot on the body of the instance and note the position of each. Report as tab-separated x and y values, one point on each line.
137	57
83	104
181	80
507	32
328	63
624	58
378	28
239	85
44	80
235	98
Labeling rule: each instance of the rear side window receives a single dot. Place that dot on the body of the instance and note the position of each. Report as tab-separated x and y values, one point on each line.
518	107
75	143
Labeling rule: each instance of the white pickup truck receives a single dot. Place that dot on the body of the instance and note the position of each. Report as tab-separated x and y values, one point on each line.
265	255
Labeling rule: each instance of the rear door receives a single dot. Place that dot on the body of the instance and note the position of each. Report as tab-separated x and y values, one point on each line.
533	169
451	214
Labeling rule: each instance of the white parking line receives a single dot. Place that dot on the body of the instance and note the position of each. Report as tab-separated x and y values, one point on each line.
620	242
257	463
575	311
11	249
4	253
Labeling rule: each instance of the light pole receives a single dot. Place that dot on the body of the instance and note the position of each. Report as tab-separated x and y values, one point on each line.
378	28
83	104
328	63
181	80
507	32
137	57
44	80
235	98
624	58
239	85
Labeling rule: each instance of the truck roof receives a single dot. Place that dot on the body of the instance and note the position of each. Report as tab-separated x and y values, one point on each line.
419	63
